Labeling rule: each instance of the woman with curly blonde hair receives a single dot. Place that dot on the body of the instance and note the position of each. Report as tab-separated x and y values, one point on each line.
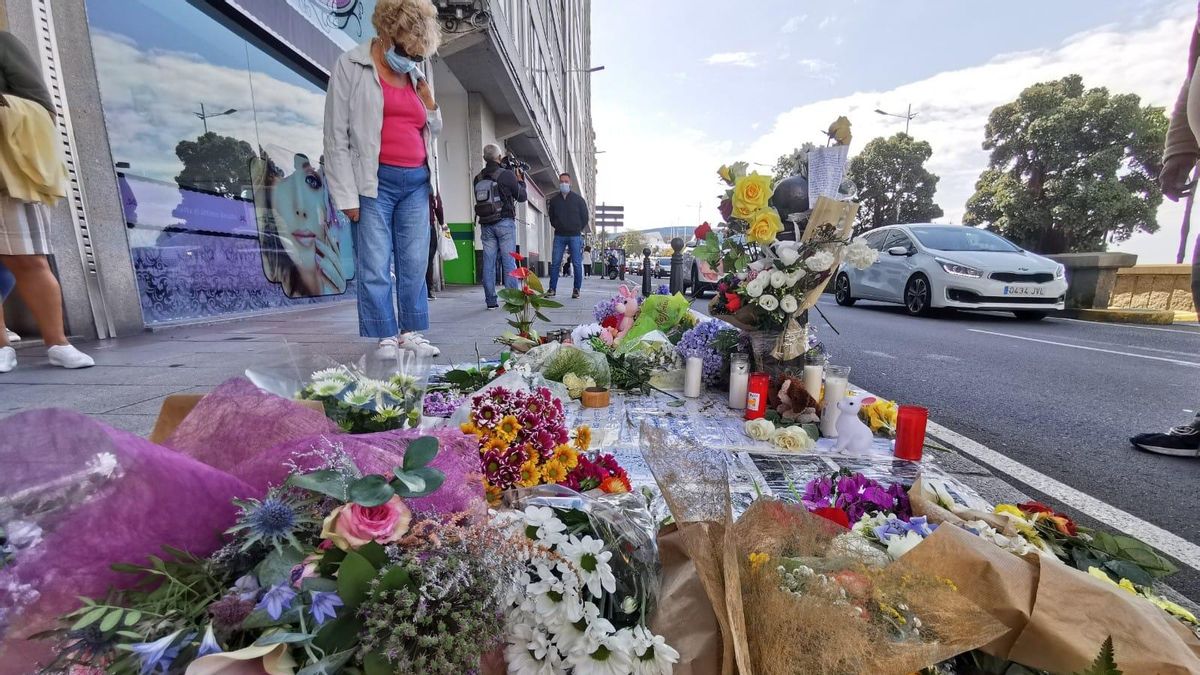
381	120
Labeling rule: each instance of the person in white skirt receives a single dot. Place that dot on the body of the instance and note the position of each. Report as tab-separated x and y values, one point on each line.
24	231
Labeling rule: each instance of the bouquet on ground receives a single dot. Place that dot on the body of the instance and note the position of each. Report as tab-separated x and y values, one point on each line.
584	599
332	570
361	404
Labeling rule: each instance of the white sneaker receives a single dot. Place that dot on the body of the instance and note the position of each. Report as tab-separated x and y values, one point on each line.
12	337
8	359
417	344
67	356
388	349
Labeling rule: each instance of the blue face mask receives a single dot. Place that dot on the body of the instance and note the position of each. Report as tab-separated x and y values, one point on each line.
564	188
401	64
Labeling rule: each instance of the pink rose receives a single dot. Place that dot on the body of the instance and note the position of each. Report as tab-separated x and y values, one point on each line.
351	526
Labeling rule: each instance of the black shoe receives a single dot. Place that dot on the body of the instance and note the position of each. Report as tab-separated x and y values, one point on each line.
575	294
551	293
1179	441
493	306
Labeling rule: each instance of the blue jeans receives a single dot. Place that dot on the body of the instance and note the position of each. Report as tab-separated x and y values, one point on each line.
560	245
7	282
499	239
393	229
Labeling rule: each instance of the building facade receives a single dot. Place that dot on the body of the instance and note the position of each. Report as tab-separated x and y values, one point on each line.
193	133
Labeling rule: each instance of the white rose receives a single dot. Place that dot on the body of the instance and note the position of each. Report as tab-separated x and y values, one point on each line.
758	265
788	255
778	278
819	261
860	254
769	303
795	276
794	439
789	304
898	546
760	429
754	288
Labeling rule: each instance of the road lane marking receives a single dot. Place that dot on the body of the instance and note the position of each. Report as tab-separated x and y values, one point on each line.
881	355
1125	325
1168	542
1190	364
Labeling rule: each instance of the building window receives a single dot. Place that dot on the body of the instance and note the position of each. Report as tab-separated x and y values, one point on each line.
218	150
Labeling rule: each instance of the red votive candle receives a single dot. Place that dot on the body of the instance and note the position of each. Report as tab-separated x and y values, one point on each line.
910	432
756	395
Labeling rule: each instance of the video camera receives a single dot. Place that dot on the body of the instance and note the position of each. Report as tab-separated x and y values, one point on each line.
514	163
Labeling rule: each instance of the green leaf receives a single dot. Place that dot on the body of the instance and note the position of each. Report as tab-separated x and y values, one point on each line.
354	580
329	483
330	562
1105	663
408	484
372	490
542	317
376	664
329	665
395	579
1137	552
1123	569
551	304
89	618
276	567
282	638
339	635
420	452
512	295
320	584
534	282
132	617
260	619
433	479
374	553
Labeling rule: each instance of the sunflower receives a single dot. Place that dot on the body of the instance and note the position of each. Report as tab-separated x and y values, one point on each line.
496	444
492	492
508	428
531	474
583	438
553	472
565	455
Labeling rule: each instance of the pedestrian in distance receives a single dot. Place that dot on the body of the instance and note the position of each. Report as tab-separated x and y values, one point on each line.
569	220
587	261
37	177
381	121
498	188
1180	156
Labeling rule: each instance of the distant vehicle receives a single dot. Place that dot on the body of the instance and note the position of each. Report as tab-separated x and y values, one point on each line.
635	266
662	268
926	267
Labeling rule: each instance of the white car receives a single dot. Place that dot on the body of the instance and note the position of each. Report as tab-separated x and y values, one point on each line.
926	267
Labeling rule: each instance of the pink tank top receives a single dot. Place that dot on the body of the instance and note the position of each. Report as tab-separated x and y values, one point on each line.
401	142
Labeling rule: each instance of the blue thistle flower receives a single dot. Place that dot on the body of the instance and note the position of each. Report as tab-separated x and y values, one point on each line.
273	521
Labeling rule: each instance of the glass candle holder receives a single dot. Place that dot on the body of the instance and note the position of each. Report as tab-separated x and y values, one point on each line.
837	383
911	421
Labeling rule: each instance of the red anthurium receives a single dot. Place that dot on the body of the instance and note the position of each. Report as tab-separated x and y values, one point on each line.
519	273
732	302
528	291
517	256
702	231
833	514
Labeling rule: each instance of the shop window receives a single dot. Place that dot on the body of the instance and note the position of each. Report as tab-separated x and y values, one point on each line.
218	149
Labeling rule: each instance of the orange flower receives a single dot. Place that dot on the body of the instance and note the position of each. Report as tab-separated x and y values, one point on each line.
469	428
492	492
616	485
583	438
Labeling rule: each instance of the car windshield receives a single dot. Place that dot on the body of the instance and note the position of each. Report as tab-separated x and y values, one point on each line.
962	239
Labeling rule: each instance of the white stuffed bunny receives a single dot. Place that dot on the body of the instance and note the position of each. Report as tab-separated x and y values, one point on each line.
852	433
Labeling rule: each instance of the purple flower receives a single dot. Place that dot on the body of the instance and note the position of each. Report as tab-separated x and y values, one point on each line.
698	342
441	404
246	587
663	290
209	644
158	655
324	606
605	309
276	600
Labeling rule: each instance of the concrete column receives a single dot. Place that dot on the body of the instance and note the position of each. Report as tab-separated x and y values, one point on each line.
1092	276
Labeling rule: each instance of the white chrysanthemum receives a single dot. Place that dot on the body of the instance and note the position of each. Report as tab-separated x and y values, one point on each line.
104	464
789	304
590	561
611	656
359	397
769	303
541	524
327	387
787	253
860	254
755	287
819	261
573	636
337	373
582	336
651	653
522	652
760	429
778	278
555	602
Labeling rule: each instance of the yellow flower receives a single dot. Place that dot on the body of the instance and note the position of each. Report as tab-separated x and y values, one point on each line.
1017	518
531	474
492	492
583	438
496	444
750	194
764	225
757	560
1172	608
553	472
567	456
1101	575
1127	586
725	173
508	428
880	415
469	428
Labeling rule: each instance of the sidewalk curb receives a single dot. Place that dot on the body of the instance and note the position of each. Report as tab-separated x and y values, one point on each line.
1153	317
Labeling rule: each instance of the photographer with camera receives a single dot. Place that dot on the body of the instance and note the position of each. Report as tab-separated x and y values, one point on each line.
497	189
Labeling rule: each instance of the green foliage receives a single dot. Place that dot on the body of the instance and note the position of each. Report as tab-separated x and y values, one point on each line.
215	163
1123	548
1105	663
414	479
631	242
792	164
1071	168
893	184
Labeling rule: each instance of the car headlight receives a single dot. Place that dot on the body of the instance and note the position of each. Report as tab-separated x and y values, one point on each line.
954	269
1061	272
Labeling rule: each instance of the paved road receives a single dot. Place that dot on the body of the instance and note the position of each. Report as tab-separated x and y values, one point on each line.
1059	396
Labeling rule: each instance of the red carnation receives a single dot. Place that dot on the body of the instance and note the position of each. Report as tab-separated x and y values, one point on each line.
611	322
732	302
834	515
702	231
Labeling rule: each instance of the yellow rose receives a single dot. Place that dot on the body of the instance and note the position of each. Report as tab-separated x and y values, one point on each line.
725	174
764	225
750	194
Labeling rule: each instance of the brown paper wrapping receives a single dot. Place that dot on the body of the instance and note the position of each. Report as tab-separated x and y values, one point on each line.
1057	617
684	615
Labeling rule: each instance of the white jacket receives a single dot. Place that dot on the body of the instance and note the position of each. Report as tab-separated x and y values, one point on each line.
353	124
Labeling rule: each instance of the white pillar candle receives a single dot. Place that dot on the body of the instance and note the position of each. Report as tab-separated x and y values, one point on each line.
739	380
691	378
812	381
837	382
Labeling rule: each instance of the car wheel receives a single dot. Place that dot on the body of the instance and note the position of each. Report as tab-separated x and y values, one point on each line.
841	291
917	295
698	291
1029	315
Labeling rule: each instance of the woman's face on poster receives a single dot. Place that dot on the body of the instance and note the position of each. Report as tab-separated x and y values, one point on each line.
300	216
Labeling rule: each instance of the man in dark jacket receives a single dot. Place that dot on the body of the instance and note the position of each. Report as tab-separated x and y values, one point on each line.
569	218
498	232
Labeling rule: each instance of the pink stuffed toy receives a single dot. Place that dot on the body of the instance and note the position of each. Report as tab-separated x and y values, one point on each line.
628	306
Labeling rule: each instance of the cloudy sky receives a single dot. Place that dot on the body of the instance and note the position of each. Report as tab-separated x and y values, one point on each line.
691	85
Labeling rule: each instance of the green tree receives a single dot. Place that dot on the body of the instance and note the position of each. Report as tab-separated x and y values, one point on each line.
893	184
632	243
790	164
215	163
1071	168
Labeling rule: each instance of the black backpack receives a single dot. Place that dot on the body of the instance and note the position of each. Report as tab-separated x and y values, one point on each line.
489	202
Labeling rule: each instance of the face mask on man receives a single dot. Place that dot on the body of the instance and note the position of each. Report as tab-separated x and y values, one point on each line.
400	63
564	188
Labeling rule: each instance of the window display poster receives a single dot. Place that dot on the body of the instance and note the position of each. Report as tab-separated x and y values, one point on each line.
306	244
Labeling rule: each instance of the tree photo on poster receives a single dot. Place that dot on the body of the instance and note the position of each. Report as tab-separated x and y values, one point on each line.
305	243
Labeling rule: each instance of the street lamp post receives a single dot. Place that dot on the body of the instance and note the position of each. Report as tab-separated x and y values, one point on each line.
205	115
907	117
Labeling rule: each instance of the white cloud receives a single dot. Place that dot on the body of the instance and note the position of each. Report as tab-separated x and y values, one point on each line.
827	22
819	69
793	23
743	59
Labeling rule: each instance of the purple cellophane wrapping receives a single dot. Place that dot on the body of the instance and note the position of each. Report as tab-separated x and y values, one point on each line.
236	443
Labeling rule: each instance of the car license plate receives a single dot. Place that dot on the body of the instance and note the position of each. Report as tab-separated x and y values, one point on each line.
1024	290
